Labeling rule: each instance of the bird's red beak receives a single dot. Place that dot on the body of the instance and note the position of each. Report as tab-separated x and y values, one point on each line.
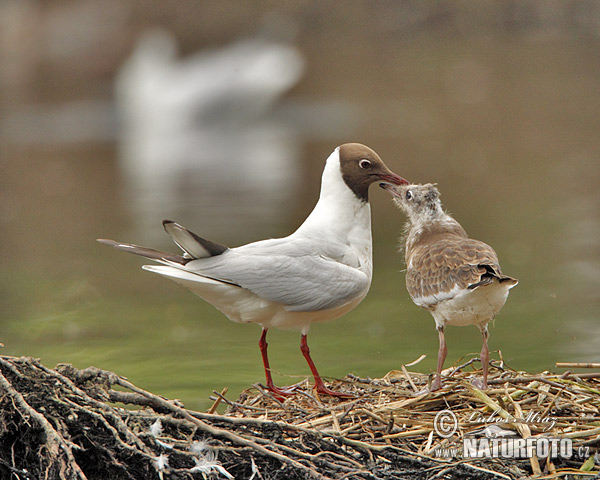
391	179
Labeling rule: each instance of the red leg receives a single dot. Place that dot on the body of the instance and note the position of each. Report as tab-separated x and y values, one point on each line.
320	386
485	355
262	343
442	352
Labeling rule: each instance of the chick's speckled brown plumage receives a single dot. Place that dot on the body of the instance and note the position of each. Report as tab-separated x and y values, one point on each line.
439	264
456	278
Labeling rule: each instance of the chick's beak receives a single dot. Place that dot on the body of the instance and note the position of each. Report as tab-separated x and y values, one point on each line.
391	188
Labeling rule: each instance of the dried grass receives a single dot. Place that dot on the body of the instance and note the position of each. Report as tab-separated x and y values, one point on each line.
399	412
70	424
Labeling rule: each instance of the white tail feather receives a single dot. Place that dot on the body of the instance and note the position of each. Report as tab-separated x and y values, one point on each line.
179	273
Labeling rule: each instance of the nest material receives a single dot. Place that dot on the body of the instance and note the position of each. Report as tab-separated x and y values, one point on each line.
67	424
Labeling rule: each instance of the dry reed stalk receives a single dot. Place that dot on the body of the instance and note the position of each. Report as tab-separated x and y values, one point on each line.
576	365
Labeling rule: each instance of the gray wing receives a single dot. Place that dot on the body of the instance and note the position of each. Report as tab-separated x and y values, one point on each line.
293	277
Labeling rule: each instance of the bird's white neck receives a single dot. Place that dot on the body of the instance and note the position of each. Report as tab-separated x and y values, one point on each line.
339	212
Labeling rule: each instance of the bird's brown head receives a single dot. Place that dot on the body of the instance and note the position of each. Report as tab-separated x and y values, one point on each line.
361	167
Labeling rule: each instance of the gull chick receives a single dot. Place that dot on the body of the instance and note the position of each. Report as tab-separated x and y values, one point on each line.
320	272
456	278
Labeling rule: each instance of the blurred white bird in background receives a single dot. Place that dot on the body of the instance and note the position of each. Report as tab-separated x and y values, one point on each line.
193	125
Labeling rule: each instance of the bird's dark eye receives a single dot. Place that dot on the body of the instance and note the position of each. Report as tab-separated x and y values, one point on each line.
409	195
364	163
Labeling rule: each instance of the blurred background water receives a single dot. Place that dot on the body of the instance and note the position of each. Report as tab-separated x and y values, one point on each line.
115	114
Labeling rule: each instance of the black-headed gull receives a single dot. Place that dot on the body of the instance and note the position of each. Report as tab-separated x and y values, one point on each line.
318	273
456	278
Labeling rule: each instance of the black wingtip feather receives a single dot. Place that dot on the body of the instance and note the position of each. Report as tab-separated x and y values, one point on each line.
212	248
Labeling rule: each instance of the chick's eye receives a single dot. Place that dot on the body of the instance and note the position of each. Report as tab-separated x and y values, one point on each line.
364	163
409	195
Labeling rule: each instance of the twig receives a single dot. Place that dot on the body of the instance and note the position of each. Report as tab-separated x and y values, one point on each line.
577	365
220	396
486	470
406	374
